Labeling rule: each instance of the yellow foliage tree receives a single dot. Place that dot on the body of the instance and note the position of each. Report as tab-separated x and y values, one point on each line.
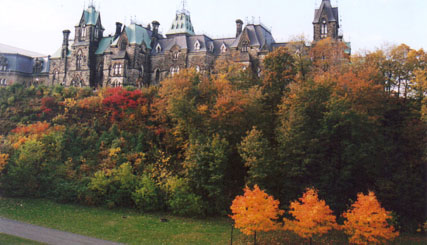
255	211
312	216
367	221
3	161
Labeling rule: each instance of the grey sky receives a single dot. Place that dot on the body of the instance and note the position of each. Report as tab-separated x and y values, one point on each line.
37	24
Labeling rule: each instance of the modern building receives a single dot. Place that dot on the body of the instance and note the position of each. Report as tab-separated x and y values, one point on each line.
139	55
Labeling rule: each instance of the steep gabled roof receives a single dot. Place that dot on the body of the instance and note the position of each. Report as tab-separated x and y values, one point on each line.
331	13
104	44
258	36
137	35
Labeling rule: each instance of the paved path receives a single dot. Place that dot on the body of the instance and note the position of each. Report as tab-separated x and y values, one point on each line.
47	235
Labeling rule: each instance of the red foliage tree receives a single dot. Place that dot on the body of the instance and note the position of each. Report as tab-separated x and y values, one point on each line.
119	101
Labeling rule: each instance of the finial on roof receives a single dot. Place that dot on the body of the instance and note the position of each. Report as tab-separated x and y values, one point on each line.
184	4
91	4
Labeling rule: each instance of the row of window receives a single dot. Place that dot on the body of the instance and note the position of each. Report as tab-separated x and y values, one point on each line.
3	68
197	47
3	82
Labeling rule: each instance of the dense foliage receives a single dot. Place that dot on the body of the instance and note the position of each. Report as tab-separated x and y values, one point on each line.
342	125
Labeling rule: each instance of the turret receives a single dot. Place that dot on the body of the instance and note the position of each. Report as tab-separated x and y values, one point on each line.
326	21
239	27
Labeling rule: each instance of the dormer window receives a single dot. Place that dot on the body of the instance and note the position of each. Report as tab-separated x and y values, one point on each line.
324	29
175	55
223	48
158	48
197	45
245	45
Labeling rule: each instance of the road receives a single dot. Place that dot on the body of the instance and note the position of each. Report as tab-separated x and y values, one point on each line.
47	235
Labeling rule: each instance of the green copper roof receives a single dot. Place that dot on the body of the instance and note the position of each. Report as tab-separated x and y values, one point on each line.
137	34
181	24
104	44
91	16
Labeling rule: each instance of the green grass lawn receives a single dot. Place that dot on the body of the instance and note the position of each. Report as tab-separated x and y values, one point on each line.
11	240
132	227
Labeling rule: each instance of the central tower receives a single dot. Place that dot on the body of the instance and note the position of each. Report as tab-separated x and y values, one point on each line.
181	23
326	22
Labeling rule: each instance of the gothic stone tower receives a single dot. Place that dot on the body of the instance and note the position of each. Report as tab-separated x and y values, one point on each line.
326	22
76	63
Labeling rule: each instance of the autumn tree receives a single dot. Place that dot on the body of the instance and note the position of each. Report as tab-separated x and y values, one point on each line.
3	161
255	211
367	222
311	216
279	72
259	158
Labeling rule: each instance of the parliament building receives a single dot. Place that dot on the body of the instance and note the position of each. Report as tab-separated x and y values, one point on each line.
140	56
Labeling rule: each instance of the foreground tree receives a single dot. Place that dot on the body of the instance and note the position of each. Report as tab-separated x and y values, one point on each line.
367	221
255	211
312	216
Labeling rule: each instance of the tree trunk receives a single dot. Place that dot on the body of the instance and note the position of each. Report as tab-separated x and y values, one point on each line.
255	238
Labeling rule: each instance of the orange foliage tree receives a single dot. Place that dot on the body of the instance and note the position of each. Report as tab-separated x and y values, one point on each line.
21	134
312	216
367	221
255	211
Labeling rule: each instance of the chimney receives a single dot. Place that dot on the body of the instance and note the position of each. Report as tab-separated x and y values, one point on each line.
155	25
118	29
239	27
66	34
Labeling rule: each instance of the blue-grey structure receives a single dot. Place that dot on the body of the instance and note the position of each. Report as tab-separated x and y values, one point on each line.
22	66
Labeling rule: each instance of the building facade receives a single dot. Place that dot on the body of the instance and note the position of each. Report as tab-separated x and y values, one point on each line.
140	56
22	66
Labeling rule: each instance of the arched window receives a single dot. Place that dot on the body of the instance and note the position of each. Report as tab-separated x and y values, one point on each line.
158	48
175	55
157	76
197	69
79	60
324	29
83	31
123	45
55	75
172	71
197	45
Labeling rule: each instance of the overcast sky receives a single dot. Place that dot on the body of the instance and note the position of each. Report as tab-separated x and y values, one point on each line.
37	25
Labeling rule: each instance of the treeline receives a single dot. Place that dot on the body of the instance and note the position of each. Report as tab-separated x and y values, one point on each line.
312	118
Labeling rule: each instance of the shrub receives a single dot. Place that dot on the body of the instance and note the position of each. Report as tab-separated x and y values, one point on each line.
147	196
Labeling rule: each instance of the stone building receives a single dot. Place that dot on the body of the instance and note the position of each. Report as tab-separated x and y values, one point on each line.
139	55
22	66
